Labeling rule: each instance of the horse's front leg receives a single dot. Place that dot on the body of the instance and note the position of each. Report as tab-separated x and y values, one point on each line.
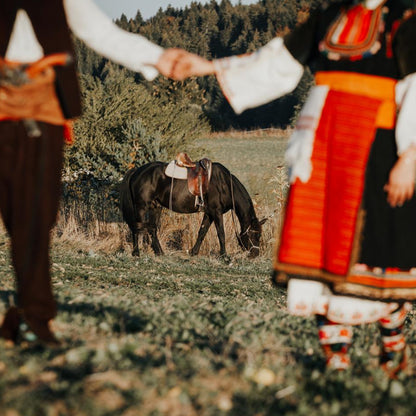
203	229
219	225
136	251
153	221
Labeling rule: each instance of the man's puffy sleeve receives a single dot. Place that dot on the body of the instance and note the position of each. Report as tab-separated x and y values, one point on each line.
92	26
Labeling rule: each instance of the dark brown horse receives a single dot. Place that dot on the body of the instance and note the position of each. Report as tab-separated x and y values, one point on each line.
146	189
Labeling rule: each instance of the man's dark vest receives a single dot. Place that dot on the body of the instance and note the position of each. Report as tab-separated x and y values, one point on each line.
49	22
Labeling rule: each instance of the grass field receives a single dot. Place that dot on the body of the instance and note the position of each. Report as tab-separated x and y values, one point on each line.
182	336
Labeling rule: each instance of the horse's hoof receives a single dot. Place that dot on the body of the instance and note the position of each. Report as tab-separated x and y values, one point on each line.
225	258
135	253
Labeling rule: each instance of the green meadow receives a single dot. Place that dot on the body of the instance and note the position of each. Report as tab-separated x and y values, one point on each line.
188	336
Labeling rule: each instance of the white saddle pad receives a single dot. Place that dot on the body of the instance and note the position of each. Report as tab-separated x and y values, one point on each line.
174	171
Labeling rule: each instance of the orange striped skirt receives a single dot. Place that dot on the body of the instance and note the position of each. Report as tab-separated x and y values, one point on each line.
320	238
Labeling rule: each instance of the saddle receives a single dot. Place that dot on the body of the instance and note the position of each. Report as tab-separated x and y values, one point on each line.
198	175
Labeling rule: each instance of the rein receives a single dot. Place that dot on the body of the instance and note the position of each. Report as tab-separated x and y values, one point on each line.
171	189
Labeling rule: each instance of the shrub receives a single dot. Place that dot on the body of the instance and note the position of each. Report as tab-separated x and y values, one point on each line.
124	124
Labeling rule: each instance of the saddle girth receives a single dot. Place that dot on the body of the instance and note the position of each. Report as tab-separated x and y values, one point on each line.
199	174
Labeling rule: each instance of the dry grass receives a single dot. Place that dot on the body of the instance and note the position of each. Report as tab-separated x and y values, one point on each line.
94	236
178	233
252	134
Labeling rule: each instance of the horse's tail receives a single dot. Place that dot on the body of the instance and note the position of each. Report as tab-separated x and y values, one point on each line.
126	199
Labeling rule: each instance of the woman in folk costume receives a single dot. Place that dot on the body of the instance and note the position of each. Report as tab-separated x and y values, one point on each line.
348	244
36	103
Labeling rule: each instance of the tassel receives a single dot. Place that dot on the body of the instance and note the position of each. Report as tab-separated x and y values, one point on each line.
69	132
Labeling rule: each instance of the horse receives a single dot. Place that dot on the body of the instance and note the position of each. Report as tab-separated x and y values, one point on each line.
146	189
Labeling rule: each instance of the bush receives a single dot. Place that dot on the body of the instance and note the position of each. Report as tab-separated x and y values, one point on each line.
125	123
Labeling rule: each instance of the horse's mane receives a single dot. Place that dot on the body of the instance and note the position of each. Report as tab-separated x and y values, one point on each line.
239	191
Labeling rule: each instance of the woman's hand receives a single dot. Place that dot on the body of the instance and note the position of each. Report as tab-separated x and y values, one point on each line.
401	184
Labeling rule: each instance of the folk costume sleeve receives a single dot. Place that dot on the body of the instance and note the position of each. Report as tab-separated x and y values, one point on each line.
93	27
405	49
301	43
252	80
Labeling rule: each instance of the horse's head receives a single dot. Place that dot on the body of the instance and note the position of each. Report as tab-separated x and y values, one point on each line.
249	239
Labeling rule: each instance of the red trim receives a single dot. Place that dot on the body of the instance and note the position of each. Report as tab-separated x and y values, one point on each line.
354	32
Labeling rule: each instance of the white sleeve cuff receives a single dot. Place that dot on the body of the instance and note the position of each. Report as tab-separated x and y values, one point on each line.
102	35
251	80
406	119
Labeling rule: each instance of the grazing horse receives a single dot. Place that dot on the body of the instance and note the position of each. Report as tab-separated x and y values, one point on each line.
146	189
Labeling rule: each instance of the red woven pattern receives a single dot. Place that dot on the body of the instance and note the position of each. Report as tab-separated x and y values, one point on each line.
321	214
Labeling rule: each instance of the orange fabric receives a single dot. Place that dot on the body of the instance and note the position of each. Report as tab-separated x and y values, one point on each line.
321	215
35	100
366	24
69	136
380	88
349	24
357	26
54	59
407	281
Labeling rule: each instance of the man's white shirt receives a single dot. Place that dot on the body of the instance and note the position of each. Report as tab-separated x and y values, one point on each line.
97	30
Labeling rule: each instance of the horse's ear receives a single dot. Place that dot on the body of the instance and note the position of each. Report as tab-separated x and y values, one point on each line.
261	222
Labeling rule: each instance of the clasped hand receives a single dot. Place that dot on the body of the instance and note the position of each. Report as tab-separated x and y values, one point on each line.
179	64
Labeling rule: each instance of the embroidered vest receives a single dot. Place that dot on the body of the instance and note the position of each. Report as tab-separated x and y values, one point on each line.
354	34
49	23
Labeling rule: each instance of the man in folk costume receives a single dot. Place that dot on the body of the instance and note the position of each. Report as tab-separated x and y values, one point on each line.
348	244
36	104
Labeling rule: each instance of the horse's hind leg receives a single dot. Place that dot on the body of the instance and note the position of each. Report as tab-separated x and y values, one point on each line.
157	248
136	230
203	229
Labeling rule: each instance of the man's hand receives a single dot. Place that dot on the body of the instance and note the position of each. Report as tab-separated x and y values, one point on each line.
179	64
401	184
